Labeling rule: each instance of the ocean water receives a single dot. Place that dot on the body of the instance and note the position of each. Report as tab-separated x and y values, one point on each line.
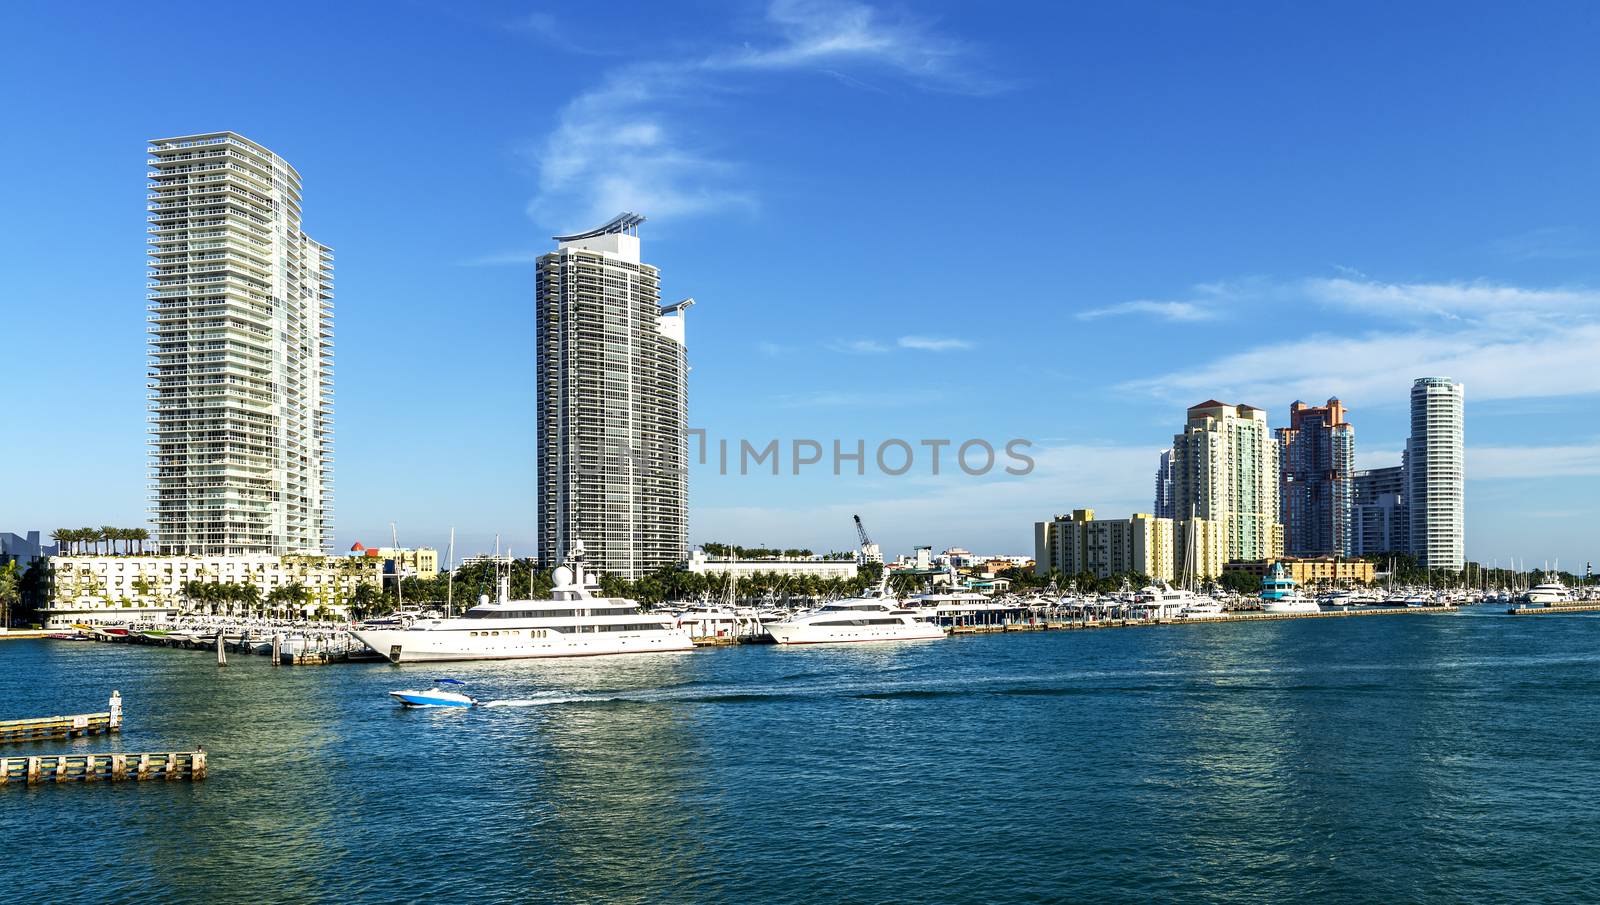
1406	758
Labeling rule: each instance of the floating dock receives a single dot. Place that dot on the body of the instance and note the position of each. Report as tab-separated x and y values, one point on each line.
168	766
1244	616
1585	607
58	727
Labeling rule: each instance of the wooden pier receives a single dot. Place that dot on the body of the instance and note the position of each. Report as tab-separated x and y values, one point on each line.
167	766
1585	607
1243	616
71	726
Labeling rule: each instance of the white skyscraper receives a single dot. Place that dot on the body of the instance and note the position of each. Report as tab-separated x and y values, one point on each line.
1435	474
612	406
241	353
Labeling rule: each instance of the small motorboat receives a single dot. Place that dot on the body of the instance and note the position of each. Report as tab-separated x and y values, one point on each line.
442	694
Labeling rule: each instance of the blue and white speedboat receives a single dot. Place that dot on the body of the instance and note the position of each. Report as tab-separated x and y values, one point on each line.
440	695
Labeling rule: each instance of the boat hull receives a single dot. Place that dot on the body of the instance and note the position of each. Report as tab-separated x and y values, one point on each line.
413	646
432	699
819	634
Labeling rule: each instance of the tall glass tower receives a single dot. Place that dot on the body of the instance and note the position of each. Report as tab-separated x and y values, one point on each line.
240	353
612	405
1436	474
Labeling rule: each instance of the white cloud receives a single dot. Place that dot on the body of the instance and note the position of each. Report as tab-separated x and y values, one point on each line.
1502	342
1451	300
932	343
1172	311
627	144
858	346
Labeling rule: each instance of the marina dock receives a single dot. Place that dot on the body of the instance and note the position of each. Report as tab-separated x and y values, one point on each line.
42	768
1590	606
59	727
1243	616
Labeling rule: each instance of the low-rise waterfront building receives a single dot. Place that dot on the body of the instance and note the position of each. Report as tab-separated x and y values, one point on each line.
1312	570
106	590
420	562
1077	543
702	564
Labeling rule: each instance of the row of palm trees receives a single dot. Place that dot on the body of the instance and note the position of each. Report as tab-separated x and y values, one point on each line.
87	540
230	598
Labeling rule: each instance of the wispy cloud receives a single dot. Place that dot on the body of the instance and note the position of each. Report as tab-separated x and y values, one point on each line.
1503	342
1451	300
1500	462
1172	311
630	142
859	346
1554	243
932	343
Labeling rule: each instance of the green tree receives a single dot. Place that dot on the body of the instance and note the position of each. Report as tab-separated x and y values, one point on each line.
10	591
1240	582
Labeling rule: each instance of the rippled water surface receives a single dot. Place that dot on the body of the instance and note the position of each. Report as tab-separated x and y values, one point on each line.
1384	759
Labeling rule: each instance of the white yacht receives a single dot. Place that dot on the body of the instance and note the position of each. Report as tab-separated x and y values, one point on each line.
574	622
1547	592
874	616
1163	601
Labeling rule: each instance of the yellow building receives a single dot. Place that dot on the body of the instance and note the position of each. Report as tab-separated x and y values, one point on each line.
1314	571
421	562
1077	543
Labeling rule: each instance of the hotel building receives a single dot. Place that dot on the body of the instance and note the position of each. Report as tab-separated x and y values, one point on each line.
240	353
612	406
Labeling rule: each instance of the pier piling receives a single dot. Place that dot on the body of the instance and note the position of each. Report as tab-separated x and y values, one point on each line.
41	768
69	726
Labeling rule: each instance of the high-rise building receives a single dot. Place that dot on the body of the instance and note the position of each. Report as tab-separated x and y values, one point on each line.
1379	523
241	353
1435	474
1315	494
1225	471
612	406
1164	486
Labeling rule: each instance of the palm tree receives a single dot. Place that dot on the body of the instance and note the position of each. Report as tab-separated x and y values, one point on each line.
10	591
140	535
110	534
63	539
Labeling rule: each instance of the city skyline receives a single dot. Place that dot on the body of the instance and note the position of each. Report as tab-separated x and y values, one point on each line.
841	294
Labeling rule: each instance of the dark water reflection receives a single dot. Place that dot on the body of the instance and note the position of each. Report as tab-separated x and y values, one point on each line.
1404	758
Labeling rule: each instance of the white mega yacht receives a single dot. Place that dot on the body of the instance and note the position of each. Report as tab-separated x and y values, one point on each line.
574	622
1547	592
873	616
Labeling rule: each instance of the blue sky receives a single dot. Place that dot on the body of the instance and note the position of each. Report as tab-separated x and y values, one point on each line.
1060	222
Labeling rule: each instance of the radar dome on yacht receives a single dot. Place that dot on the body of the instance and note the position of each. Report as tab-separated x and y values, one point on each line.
561	577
